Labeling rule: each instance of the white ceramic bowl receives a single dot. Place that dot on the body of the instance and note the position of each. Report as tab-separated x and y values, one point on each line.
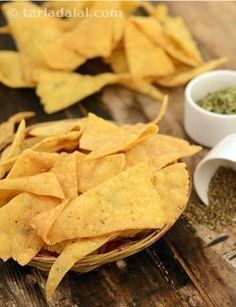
223	154
205	127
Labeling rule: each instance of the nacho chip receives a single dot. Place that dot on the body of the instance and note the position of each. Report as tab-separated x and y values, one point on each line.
66	5
101	169
128	7
160	13
95	34
45	184
182	77
31	40
118	61
7	128
145	58
11	70
154	31
56	128
59	90
29	142
43	222
72	253
176	29
172	185
118	30
31	163
67	141
113	210
104	138
160	150
17	239
65	170
15	148
58	56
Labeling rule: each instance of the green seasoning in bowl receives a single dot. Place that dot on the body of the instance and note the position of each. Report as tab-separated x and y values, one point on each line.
221	102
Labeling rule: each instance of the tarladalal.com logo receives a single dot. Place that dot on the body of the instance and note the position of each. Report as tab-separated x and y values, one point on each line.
63	13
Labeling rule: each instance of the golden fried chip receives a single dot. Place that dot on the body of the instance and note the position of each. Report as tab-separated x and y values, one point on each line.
160	150
182	77
31	39
145	58
90	173
31	163
72	253
56	128
160	13
67	141
115	207
65	170
15	148
45	184
172	185
104	138
17	239
95	34
43	222
175	28
59	90
118	30
7	128
118	61
57	55
154	30
128	7
29	142
11	70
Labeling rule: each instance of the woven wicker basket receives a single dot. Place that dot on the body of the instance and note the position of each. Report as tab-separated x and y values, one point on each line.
93	261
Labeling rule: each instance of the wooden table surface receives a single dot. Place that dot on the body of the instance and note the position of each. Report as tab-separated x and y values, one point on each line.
189	266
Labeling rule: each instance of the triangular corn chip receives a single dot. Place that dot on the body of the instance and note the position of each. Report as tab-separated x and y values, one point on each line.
67	141
155	31
115	207
56	128
175	28
101	169
7	128
59	90
160	150
93	36
183	76
15	148
31	40
65	170
17	239
31	163
11	70
172	185
145	58
45	184
104	138
72	253
43	222
118	61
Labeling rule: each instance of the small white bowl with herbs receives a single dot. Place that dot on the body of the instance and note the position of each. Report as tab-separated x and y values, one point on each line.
210	107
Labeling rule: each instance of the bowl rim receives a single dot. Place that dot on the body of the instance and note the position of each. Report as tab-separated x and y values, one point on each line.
192	102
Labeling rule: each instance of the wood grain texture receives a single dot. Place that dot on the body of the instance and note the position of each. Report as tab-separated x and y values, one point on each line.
175	270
